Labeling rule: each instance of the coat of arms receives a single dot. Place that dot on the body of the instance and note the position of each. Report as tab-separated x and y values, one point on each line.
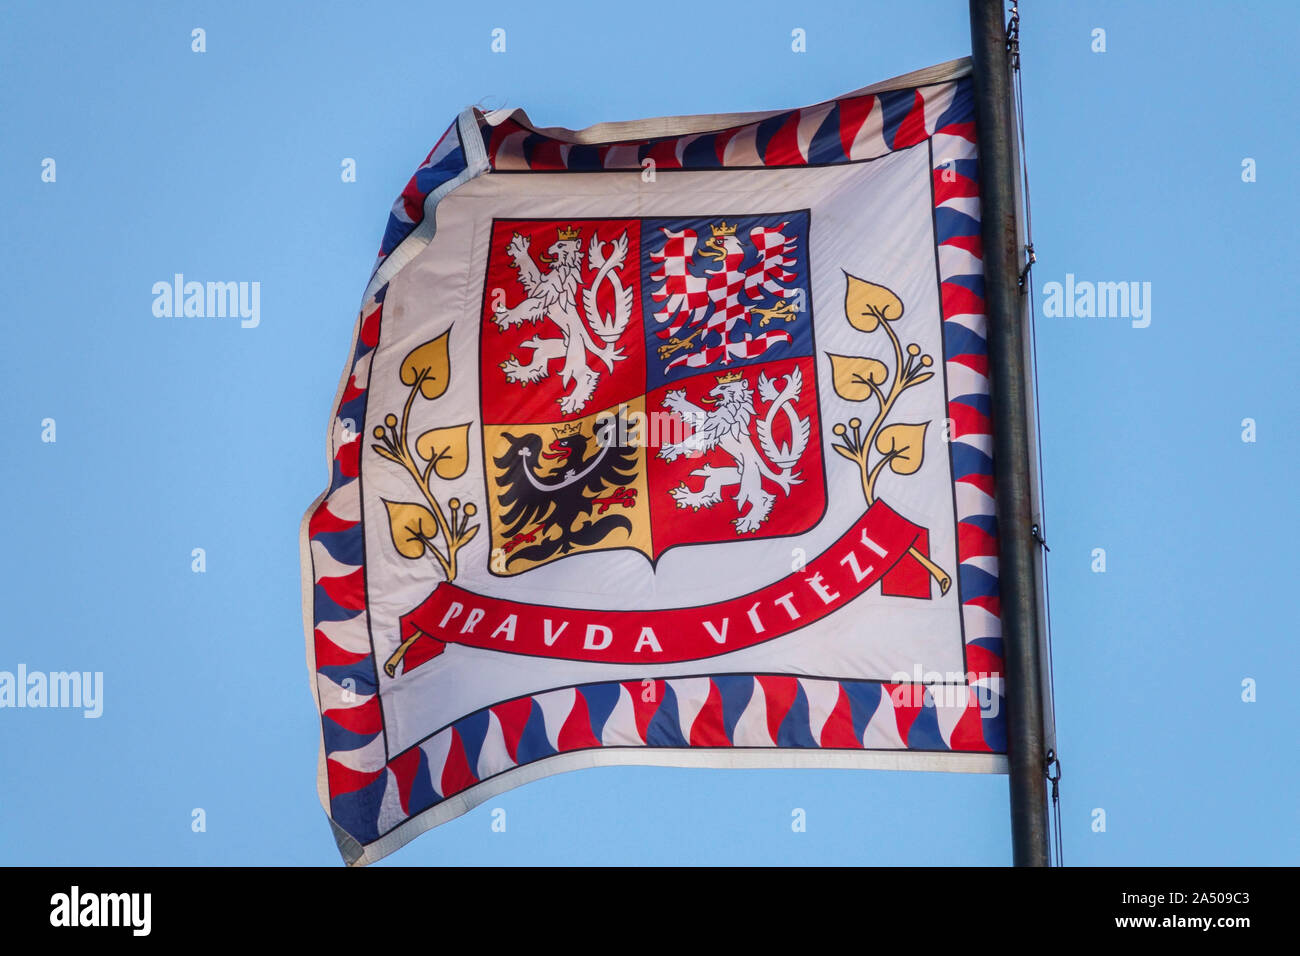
643	385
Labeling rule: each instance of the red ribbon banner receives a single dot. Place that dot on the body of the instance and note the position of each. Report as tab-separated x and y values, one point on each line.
871	549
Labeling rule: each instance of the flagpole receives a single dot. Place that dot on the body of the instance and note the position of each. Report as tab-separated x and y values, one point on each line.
1017	580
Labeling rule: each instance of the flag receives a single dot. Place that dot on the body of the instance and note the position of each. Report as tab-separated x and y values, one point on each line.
662	443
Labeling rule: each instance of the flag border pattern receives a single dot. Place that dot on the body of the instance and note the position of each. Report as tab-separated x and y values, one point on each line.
377	804
445	160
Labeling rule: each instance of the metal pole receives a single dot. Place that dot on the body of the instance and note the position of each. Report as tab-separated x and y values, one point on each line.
1002	299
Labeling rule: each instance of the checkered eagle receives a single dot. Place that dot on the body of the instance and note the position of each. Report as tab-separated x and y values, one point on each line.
701	306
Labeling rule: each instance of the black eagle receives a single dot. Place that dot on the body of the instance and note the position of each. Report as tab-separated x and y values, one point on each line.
561	488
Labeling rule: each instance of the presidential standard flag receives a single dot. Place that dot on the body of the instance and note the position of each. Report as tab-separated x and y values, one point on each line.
662	442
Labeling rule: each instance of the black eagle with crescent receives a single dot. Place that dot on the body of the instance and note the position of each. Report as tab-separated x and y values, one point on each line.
563	487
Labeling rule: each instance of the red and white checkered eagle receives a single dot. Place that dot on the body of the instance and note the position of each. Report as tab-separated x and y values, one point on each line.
732	292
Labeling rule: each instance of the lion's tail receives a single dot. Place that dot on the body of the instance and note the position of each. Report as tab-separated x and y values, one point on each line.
608	327
784	456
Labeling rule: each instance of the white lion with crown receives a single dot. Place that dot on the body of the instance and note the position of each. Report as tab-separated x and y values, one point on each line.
727	426
554	295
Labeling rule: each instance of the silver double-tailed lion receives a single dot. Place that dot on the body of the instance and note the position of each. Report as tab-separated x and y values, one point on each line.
554	294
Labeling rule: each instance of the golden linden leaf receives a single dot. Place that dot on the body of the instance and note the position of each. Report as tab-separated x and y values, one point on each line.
447	448
409	525
907	442
866	303
431	360
853	376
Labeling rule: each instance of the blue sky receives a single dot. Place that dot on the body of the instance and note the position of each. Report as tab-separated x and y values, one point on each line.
177	435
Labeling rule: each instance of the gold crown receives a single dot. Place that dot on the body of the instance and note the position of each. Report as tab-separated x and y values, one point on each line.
730	377
722	229
569	232
564	431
